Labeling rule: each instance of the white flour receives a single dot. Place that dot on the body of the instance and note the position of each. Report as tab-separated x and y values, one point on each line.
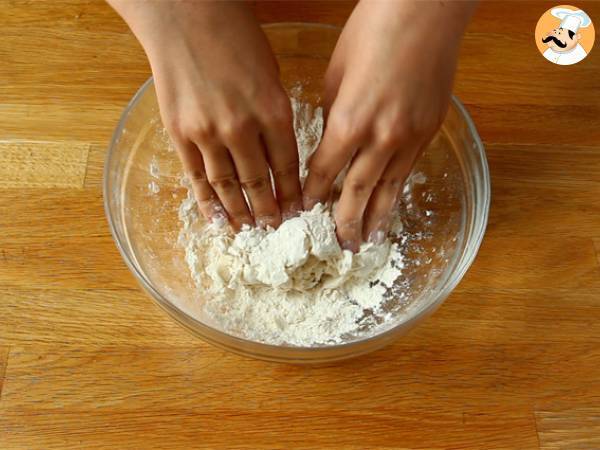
293	285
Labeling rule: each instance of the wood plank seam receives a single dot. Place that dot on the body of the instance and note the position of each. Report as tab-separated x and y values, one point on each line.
87	168
535	146
4	370
537	431
597	248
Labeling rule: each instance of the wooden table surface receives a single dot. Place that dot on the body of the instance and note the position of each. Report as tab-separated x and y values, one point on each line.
511	360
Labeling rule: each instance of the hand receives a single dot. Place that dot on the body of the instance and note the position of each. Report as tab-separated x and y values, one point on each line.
387	89
223	105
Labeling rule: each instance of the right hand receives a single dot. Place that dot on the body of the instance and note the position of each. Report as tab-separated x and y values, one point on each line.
387	89
223	105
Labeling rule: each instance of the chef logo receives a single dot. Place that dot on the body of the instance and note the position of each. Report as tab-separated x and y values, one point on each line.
564	35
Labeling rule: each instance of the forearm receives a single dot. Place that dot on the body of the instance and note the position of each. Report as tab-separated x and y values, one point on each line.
129	9
441	20
153	20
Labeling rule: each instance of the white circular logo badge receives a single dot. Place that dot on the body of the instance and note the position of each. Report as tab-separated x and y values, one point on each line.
564	35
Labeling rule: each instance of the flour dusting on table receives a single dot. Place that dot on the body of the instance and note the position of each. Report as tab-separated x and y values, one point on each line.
294	285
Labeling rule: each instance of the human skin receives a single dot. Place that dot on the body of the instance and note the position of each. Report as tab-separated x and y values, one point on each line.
222	102
387	89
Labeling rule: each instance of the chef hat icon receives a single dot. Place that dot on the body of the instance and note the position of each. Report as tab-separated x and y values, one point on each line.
572	19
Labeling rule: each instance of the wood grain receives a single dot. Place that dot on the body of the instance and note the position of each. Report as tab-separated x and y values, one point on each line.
67	245
440	378
512	316
522	208
536	262
43	164
301	429
86	317
510	361
572	168
495	316
569	427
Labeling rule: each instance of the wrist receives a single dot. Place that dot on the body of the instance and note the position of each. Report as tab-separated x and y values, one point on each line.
142	16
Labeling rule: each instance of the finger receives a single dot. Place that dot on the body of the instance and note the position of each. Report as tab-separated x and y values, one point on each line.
334	75
332	81
282	155
334	152
377	217
365	170
193	164
253	173
223	179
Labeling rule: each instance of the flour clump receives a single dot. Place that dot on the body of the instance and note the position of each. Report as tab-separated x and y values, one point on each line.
293	285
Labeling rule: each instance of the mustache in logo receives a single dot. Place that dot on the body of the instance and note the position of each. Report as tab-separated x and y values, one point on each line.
555	40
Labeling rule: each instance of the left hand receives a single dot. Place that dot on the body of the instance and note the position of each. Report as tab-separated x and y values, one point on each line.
387	89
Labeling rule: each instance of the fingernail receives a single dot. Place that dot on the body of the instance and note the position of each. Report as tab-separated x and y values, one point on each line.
245	221
266	221
294	210
290	215
217	208
379	233
377	237
309	202
219	220
218	216
353	246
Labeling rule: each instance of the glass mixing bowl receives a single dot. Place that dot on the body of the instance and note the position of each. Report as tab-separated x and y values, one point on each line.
446	204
